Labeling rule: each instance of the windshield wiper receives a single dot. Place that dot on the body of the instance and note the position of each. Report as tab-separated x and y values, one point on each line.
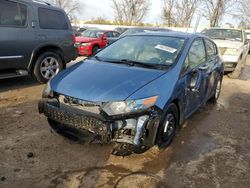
97	58
133	63
147	65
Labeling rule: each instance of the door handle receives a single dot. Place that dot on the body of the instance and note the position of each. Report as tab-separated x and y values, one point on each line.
204	67
43	37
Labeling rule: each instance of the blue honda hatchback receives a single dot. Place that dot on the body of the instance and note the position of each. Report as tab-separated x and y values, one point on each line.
137	91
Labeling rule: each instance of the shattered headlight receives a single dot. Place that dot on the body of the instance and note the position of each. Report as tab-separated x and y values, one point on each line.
130	106
231	51
47	92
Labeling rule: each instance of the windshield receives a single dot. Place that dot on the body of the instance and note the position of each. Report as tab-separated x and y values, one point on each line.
92	33
153	50
224	34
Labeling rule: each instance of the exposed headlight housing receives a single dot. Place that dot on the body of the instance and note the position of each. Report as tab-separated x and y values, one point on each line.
231	51
130	106
85	44
47	92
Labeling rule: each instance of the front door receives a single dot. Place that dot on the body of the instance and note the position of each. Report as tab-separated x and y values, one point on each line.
196	78
14	29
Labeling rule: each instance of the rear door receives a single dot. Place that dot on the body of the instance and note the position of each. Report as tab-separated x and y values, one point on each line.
196	77
54	29
212	64
15	34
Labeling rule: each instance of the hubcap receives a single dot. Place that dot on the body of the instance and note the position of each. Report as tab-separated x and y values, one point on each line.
169	127
217	90
49	67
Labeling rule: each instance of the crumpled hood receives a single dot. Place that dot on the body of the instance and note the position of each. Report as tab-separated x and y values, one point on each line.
85	39
228	43
102	82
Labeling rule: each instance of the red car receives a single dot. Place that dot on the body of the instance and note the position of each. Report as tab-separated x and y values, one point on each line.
92	40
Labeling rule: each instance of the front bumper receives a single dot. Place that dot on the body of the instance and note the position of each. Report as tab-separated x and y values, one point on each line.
142	129
229	66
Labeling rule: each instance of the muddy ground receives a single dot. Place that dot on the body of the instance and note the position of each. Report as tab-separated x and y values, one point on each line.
212	149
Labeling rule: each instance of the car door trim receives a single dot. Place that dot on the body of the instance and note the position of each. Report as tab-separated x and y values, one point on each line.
11	57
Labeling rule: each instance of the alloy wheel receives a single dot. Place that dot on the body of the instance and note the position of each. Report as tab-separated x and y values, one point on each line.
49	67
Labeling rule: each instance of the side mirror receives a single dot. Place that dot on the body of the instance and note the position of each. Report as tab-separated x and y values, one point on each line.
194	81
104	37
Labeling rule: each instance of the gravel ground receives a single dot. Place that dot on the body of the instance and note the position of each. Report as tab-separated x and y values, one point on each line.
212	149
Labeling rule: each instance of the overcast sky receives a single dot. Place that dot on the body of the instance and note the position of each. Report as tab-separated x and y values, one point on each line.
103	8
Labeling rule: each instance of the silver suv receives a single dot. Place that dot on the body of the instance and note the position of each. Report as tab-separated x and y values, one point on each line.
233	47
35	38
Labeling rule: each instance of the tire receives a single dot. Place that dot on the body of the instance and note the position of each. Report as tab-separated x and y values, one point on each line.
217	91
94	50
47	65
167	127
237	71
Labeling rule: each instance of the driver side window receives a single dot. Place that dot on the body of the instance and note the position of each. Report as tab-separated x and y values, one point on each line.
197	54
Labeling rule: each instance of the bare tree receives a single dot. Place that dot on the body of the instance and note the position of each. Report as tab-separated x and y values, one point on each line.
243	14
179	12
214	10
71	7
130	12
168	10
185	10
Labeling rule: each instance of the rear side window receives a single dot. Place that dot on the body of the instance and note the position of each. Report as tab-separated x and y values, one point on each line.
197	53
51	19
12	14
211	49
115	34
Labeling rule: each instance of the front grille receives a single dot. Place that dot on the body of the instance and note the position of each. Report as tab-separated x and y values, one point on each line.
222	50
80	104
78	121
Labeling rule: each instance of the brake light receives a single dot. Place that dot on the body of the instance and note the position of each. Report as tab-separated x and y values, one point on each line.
74	38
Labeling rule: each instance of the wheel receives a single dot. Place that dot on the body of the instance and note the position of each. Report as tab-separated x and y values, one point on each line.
46	66
94	50
217	91
168	126
237	71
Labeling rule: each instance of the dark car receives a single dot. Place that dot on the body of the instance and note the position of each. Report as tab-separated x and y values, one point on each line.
137	91
138	30
93	39
36	38
121	29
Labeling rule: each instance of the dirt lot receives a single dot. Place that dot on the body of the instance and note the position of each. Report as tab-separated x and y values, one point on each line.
212	149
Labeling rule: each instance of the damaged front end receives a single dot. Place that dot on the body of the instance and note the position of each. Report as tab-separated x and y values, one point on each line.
103	122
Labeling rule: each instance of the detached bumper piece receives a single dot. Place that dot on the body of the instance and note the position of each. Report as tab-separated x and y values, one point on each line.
97	129
134	132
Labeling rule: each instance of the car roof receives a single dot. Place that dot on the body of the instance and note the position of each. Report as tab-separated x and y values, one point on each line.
149	28
219	28
99	30
172	34
42	3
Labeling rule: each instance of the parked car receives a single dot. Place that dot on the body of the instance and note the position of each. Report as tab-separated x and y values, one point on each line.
36	38
121	29
137	30
248	39
233	47
92	40
137	91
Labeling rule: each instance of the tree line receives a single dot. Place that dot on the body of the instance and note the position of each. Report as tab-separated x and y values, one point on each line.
175	13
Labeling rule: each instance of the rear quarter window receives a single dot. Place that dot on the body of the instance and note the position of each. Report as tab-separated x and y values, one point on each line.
52	19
